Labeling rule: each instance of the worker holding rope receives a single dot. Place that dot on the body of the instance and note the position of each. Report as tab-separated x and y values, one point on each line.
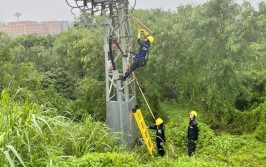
139	58
160	137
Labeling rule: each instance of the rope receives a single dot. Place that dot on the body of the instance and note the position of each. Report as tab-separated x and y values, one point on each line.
135	22
144	96
135	19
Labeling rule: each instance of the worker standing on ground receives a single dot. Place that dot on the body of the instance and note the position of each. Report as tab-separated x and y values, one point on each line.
144	46
160	138
192	133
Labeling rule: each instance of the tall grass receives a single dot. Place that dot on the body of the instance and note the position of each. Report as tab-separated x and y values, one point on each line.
30	137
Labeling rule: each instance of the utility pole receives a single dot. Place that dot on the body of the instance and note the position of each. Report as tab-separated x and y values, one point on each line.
120	95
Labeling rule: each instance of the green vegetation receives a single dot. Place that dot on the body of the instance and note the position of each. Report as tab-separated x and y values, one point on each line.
210	58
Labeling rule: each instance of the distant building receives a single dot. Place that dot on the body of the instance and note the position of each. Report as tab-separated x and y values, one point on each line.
33	27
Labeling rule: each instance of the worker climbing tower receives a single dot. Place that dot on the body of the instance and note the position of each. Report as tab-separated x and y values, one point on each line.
120	95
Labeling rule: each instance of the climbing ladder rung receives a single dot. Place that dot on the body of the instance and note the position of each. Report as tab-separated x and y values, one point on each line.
143	129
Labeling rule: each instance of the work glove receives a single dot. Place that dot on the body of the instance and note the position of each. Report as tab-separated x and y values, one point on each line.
141	30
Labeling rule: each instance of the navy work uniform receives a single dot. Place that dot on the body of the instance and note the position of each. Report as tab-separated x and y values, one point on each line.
192	133
160	138
139	58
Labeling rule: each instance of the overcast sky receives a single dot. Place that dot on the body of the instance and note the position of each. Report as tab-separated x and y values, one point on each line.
57	10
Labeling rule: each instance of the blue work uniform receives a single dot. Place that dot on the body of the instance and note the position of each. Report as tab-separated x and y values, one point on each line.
139	59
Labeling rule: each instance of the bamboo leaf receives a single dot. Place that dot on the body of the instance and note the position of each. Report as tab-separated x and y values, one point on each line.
43	120
28	141
2	137
11	162
17	154
36	124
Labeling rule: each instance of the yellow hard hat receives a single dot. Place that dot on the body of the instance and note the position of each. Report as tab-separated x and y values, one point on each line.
194	113
158	121
151	39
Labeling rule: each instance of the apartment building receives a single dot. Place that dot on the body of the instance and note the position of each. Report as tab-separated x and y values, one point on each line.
33	27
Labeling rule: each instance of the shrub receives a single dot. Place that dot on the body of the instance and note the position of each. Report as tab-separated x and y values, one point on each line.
260	132
108	159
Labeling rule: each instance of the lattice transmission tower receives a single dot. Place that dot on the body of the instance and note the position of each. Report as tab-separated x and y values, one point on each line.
120	95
